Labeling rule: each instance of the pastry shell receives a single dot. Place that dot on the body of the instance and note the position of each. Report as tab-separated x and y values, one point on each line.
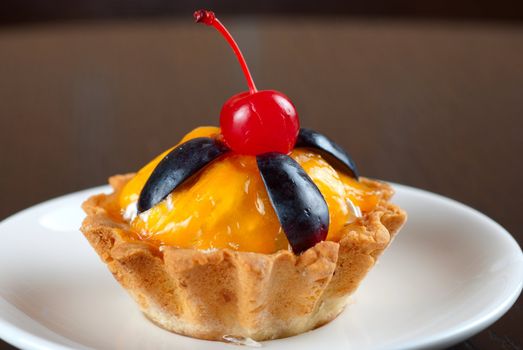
221	293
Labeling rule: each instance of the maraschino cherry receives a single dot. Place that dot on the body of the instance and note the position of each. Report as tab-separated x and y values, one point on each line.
254	122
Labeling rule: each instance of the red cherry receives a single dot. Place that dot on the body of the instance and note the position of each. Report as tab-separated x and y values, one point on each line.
265	121
254	122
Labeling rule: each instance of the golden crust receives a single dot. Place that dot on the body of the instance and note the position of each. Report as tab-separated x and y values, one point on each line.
210	294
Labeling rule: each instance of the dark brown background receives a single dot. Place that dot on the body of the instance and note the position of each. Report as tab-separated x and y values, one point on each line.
434	104
29	11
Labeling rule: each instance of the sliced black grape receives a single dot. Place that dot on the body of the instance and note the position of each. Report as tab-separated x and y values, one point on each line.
180	164
299	204
308	138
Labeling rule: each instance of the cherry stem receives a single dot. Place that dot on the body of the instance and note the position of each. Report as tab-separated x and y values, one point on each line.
207	17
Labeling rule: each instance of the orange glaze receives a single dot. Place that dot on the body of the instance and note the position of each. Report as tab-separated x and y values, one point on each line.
226	204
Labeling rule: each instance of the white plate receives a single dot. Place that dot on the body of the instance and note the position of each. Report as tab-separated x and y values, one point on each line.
451	272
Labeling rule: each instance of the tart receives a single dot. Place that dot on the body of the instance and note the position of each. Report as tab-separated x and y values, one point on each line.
258	229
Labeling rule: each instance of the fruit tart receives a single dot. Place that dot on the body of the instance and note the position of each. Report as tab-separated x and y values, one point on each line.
257	229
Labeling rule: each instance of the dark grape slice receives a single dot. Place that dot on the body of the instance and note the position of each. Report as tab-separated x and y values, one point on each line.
180	164
299	204
308	138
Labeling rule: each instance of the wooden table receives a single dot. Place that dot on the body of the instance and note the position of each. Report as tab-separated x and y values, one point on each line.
435	105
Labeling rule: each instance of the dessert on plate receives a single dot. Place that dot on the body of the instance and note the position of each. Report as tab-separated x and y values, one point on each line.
257	229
